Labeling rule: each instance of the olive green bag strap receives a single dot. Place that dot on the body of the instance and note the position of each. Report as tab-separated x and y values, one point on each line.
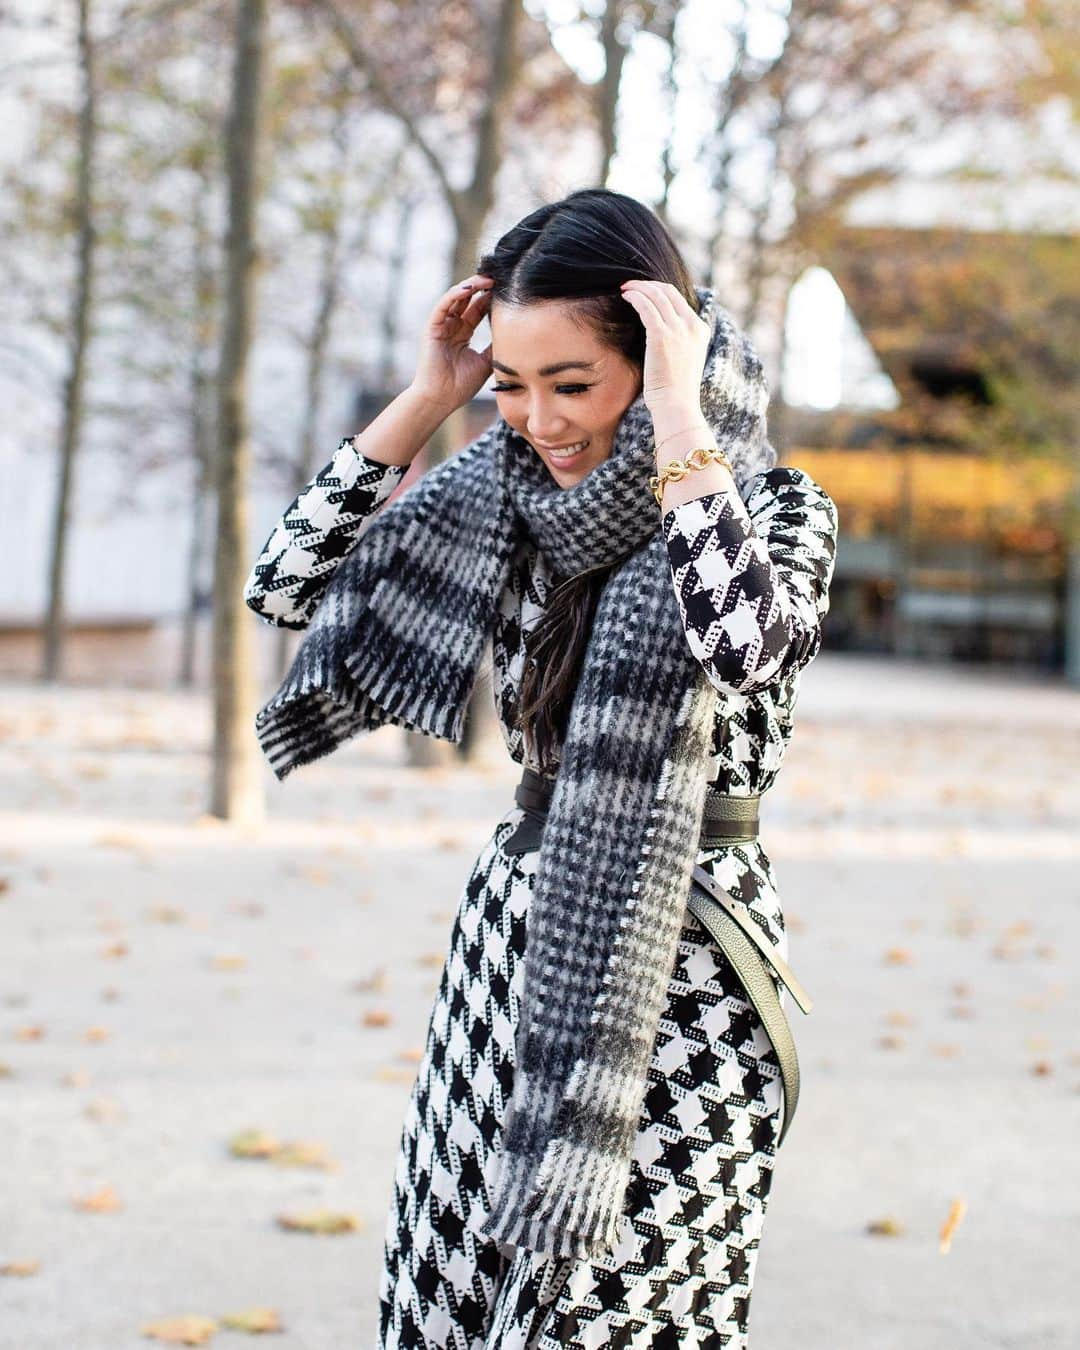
748	949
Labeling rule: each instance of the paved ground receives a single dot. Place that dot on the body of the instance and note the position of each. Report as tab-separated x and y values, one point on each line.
168	981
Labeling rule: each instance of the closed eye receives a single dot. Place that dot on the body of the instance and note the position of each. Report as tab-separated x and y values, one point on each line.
504	388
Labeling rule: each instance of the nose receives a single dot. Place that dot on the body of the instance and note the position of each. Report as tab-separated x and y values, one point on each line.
542	425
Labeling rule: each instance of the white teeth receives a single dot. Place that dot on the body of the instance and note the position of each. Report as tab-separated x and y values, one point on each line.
570	450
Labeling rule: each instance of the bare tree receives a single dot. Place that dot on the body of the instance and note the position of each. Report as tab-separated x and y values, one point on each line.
235	792
81	314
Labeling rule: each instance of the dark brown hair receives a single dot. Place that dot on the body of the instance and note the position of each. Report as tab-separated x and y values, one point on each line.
578	249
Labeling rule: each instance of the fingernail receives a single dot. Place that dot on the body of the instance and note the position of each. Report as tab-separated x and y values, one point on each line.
466	285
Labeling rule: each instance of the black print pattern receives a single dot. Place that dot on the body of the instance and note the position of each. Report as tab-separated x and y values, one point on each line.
318	529
752	603
682	1273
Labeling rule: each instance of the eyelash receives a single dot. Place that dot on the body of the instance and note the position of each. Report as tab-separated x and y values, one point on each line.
560	389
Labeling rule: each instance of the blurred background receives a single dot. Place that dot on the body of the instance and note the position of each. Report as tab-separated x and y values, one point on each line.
222	227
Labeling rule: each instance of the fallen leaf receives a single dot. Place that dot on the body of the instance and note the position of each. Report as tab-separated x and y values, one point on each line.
1041	1068
167	914
393	1073
899	1019
253	1144
957	1210
230	962
414	1054
95	1035
430	959
76	1078
887	1227
963	1011
20	1268
102	1201
30	1033
373	983
898	956
118	841
5	1070
891	1042
376	1017
254	1320
945	1050
116	949
304	1153
321	1221
188	1330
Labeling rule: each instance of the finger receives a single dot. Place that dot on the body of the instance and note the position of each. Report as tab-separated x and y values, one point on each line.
474	309
646	308
453	300
662	294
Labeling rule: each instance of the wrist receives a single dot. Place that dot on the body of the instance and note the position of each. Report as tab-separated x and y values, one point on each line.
428	404
673	413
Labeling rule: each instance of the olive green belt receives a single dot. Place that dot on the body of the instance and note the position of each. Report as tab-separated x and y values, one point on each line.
726	820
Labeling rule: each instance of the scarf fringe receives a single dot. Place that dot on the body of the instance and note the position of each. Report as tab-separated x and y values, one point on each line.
579	1222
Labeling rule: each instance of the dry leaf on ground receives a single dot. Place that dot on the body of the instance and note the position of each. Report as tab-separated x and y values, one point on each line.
188	1330
394	1073
20	1268
102	1201
253	1319
957	1210
371	984
304	1153
376	1017
887	1227
230	962
253	1144
321	1221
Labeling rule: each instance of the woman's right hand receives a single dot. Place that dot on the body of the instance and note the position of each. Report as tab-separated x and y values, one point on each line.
449	372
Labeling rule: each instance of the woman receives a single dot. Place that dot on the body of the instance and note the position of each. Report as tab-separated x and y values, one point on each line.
589	1144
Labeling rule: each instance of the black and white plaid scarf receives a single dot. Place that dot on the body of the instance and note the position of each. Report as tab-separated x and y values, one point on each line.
398	638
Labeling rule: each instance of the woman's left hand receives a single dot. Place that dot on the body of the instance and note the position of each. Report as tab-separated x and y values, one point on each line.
676	344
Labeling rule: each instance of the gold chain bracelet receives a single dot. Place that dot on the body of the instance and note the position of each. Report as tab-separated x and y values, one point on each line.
698	458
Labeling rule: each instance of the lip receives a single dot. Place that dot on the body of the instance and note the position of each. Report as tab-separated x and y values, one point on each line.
555	449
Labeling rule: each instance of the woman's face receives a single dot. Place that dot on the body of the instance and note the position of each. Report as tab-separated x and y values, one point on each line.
558	385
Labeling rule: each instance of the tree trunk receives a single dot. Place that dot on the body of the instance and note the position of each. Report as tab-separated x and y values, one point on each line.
198	393
608	90
82	305
236	788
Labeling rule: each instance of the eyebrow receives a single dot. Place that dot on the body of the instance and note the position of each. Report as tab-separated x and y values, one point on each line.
550	370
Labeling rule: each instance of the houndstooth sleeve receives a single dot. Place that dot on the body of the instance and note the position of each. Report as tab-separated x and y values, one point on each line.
753	597
315	533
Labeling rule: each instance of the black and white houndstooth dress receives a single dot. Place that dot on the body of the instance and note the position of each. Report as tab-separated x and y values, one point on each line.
682	1274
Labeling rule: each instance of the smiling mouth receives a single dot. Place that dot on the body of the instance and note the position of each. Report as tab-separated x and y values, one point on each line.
566	453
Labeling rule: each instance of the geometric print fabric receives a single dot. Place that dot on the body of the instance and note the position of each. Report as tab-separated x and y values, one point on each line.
682	1272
